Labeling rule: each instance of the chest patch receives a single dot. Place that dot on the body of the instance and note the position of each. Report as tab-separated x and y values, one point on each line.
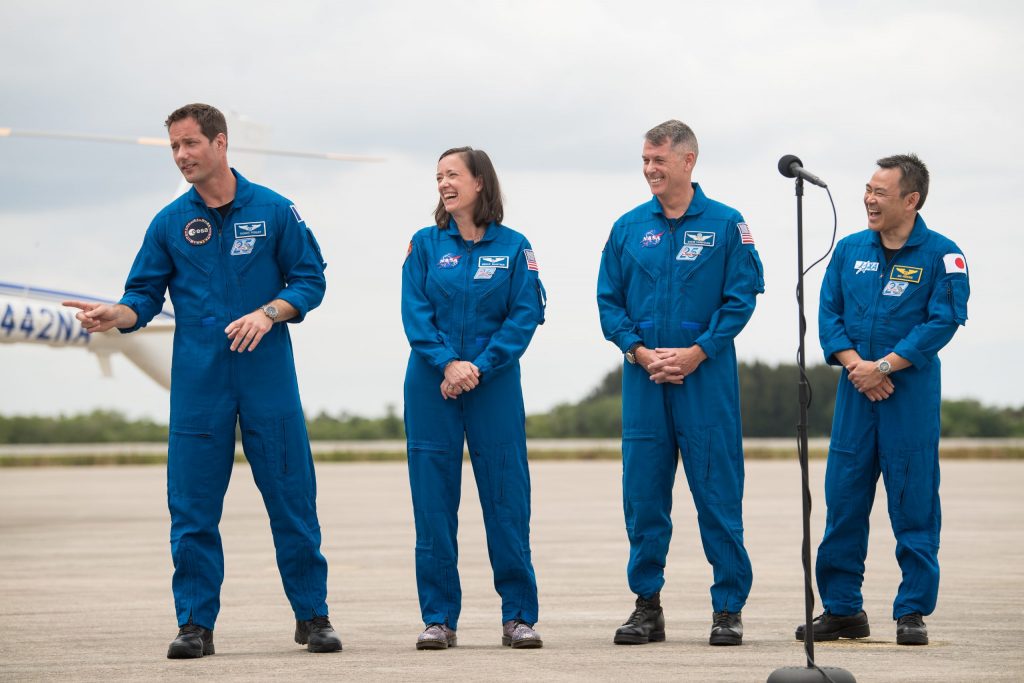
243	246
492	262
256	229
449	261
865	267
895	288
651	239
198	232
698	238
906	274
689	253
484	273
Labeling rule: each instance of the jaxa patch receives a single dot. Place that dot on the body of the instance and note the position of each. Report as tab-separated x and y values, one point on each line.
243	246
651	239
492	262
906	274
698	238
449	261
295	212
198	231
895	288
255	229
689	253
865	267
485	273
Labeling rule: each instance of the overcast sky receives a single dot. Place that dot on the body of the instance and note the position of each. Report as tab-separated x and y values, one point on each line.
559	94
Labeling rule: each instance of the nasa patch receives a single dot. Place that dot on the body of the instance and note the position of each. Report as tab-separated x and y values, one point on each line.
243	246
449	261
198	232
698	238
688	253
651	239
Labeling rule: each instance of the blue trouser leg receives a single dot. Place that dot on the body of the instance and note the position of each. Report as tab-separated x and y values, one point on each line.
496	435
435	436
199	459
278	452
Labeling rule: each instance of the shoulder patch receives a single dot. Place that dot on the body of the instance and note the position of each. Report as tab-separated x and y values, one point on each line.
531	260
955	263
295	212
745	236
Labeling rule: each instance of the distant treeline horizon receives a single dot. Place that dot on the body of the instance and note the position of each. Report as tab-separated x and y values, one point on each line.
768	406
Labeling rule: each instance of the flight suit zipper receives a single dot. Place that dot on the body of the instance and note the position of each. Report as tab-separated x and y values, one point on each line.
465	298
878	294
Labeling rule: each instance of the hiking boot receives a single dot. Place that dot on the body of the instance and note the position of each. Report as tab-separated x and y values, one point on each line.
831	627
192	642
436	637
726	628
645	625
318	634
519	634
910	630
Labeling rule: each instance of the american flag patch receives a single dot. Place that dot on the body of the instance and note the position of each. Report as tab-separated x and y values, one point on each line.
531	260
745	236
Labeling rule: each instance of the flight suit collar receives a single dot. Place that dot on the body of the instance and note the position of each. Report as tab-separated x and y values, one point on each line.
490	234
698	203
243	192
918	234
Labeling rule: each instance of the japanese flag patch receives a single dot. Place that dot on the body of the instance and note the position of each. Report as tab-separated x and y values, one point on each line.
955	263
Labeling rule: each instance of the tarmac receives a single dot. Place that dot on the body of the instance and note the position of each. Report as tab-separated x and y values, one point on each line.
85	582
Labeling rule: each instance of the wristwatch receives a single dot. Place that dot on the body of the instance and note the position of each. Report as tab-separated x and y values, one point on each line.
631	353
884	367
270	310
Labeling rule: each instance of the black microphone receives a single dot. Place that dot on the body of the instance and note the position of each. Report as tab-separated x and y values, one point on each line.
791	167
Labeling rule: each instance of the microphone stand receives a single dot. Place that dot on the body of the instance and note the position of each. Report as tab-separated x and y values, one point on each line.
812	673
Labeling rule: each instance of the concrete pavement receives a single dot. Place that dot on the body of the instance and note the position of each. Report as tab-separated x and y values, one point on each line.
85	582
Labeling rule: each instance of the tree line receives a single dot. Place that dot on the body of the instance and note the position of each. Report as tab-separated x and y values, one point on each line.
768	407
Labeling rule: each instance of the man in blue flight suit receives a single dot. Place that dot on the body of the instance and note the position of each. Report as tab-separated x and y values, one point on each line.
237	258
678	281
892	297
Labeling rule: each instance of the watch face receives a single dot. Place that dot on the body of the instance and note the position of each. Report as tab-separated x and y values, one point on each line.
271	311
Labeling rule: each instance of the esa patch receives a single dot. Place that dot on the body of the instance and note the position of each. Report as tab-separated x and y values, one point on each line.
255	229
895	288
449	261
243	246
651	239
493	262
485	273
698	238
198	231
688	253
745	236
906	274
865	267
955	263
295	212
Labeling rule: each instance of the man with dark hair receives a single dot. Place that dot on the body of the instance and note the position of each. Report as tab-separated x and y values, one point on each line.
678	281
892	297
236	257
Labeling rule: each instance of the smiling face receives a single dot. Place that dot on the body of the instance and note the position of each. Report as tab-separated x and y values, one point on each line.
887	210
459	190
197	157
667	169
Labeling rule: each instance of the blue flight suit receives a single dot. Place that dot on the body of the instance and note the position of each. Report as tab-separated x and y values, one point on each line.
481	303
218	270
911	306
677	283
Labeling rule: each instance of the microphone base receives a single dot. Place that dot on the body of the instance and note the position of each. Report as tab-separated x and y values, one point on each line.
803	674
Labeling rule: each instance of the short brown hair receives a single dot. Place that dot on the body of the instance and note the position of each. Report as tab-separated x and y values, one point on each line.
489	206
678	132
211	121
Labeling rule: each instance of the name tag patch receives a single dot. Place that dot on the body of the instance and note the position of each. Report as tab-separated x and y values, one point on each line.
256	229
698	238
895	288
688	253
493	262
485	273
243	246
865	266
906	274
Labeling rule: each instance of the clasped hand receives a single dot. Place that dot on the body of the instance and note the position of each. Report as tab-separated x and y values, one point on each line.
670	365
460	376
869	381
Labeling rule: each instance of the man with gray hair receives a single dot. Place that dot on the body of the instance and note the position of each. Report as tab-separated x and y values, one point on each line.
678	281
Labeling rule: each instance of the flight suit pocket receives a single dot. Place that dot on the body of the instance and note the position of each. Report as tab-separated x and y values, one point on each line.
190	454
639	459
913	485
957	292
758	272
296	457
715	467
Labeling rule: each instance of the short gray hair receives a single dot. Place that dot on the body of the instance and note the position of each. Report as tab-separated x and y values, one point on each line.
680	134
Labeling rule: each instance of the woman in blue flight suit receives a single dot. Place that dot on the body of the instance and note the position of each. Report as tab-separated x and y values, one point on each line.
471	300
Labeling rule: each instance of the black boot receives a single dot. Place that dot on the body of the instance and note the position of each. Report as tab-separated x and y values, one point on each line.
726	629
192	642
910	630
830	627
645	625
319	634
